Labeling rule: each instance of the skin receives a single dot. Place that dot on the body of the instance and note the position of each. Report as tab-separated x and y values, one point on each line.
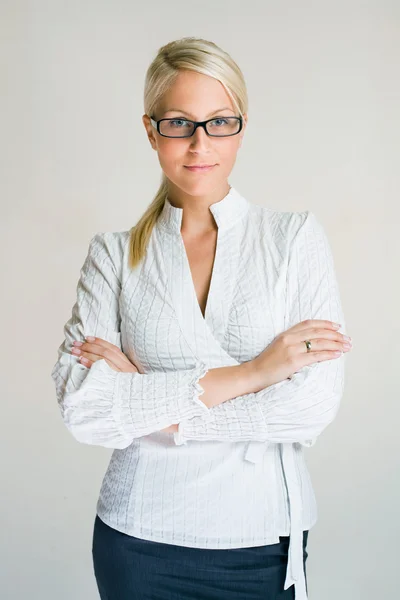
199	97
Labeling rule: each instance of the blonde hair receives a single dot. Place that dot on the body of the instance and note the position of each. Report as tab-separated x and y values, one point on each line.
193	54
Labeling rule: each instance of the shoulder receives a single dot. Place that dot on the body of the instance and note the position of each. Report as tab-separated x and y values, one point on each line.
282	227
107	248
113	242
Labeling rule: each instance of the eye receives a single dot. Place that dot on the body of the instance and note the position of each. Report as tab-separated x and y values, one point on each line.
215	121
173	122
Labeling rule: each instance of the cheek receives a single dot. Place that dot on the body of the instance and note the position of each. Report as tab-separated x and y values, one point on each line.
169	155
227	153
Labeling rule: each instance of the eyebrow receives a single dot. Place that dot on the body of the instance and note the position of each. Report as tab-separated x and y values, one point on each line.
187	113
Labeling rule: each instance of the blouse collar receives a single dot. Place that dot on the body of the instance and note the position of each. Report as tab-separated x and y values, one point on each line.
226	212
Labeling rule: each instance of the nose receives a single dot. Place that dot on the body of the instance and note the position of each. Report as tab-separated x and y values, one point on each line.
200	140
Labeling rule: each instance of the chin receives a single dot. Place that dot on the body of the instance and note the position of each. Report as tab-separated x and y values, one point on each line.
200	188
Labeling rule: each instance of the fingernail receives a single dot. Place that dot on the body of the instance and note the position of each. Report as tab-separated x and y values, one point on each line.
77	343
90	338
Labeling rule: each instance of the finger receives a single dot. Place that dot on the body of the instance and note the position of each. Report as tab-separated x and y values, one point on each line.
99	341
88	363
321	344
314	323
309	358
100	346
315	333
114	356
85	361
112	359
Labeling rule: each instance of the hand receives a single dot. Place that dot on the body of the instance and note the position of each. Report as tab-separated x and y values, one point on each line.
171	428
287	353
90	352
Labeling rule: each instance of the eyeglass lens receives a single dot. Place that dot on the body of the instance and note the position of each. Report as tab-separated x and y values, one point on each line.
216	127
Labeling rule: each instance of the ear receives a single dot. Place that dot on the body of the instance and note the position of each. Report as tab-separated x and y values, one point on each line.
245	120
150	131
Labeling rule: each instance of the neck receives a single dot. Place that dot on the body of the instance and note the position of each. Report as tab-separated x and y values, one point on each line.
196	218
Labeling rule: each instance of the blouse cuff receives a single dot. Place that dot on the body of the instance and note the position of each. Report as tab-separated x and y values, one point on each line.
92	402
166	397
249	424
135	404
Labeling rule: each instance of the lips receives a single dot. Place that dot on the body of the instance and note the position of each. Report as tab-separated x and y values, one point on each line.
199	167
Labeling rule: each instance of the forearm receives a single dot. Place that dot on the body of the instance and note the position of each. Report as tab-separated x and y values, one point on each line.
295	410
224	383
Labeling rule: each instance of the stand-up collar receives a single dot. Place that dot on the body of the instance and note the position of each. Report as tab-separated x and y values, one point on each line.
226	212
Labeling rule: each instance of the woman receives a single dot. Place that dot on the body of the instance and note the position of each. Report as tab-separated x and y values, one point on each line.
204	348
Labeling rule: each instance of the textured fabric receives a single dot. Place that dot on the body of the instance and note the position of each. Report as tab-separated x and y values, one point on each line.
129	568
233	476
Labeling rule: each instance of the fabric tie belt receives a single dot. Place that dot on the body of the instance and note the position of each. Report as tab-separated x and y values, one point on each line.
295	569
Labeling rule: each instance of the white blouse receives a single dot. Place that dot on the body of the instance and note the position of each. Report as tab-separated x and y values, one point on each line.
233	475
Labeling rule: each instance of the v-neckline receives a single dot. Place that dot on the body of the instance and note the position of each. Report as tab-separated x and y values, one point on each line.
214	274
204	334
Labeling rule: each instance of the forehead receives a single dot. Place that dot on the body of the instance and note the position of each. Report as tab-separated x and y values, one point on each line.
195	94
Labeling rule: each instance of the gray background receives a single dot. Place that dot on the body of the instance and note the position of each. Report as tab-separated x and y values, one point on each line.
323	134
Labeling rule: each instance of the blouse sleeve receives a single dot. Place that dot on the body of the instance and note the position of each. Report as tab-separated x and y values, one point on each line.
300	408
110	408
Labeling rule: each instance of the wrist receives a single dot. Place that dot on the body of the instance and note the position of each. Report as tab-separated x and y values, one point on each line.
171	428
251	374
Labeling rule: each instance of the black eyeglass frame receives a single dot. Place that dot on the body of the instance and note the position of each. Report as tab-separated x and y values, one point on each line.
196	124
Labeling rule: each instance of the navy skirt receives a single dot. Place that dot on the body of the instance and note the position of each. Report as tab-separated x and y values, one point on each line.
127	567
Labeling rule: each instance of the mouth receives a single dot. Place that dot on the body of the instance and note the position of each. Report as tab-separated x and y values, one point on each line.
200	168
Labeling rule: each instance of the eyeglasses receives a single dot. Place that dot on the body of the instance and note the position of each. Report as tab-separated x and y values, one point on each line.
182	128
